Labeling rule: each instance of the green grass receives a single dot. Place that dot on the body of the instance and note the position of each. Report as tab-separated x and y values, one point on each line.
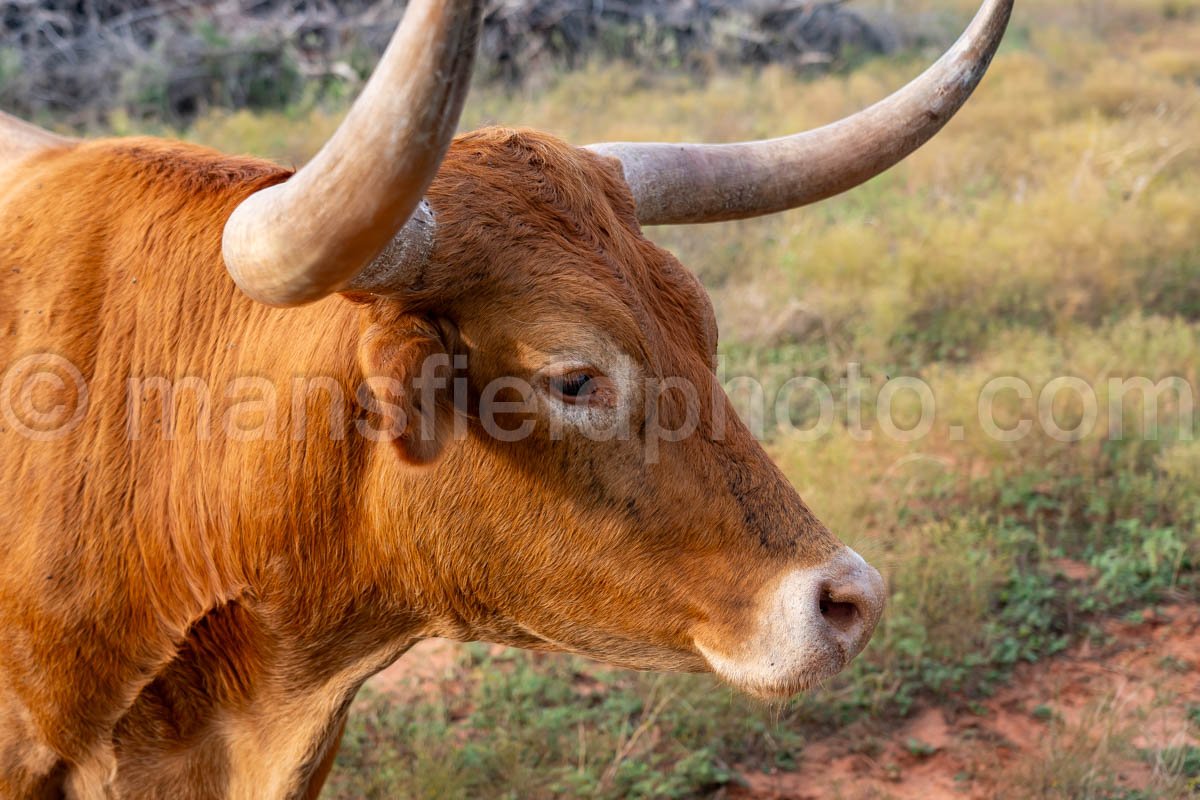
527	728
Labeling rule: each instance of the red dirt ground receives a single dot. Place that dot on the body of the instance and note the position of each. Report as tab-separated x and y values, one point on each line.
421	671
1137	686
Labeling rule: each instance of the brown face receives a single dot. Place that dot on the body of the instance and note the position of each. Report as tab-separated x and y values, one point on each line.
638	525
616	506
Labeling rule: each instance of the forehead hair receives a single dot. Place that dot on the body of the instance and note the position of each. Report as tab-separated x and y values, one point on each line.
525	218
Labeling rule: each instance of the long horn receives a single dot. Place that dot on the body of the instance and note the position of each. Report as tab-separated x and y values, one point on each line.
19	139
303	239
683	183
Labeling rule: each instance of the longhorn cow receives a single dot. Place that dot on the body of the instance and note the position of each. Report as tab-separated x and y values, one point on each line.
188	612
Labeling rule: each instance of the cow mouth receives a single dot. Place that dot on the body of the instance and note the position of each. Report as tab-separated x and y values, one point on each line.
781	677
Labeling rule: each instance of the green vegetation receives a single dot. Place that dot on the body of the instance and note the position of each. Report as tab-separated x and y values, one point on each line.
1051	230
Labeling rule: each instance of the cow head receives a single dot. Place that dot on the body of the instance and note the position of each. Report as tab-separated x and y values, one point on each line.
595	492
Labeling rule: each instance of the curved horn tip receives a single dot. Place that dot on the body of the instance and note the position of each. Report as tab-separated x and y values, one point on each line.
308	237
692	183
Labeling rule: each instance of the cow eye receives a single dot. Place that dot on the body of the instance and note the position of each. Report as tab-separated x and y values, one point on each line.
582	387
574	386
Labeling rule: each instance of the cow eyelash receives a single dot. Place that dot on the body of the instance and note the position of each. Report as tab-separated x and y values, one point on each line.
574	387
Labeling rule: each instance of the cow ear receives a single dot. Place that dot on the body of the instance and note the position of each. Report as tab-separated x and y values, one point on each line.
408	364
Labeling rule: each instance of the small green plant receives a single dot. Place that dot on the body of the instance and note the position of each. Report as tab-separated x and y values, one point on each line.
1181	763
1173	664
916	747
1140	565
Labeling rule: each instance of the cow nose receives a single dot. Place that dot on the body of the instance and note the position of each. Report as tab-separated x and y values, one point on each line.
850	598
807	627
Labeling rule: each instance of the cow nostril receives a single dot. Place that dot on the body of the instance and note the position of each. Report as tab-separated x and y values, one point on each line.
842	616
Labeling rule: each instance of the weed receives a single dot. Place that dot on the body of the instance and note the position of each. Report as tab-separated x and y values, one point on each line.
1042	713
916	747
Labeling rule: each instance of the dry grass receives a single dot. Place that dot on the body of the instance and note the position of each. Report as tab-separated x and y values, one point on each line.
1097	756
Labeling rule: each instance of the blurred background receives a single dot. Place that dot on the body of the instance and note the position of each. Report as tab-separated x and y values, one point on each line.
1043	635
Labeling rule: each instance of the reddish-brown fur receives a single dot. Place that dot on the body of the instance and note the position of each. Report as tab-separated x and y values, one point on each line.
190	616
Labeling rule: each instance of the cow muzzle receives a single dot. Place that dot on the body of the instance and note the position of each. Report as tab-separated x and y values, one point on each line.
807	627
